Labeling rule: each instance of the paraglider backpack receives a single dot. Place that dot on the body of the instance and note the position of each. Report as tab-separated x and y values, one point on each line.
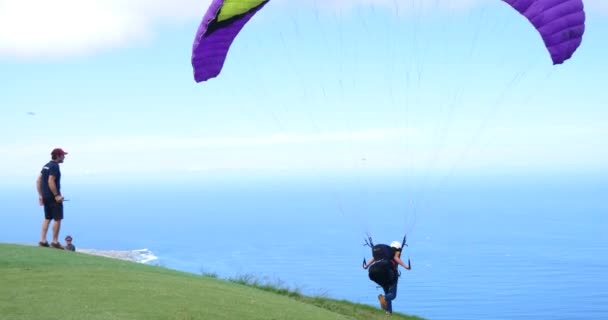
383	271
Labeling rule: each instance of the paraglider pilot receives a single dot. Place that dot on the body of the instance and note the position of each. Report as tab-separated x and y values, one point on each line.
383	269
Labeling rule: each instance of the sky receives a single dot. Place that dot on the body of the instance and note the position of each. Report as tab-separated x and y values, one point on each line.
453	86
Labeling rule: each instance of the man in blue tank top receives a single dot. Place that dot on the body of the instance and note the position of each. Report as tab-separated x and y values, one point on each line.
49	196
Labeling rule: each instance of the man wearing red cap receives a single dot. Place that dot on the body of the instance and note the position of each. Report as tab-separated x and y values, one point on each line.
49	196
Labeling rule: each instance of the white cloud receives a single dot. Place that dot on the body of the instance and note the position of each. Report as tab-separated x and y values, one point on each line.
136	153
374	149
34	28
167	144
152	144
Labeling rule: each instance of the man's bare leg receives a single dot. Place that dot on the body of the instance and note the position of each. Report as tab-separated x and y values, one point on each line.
45	229
56	228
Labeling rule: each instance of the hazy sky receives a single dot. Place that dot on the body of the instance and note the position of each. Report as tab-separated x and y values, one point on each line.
308	85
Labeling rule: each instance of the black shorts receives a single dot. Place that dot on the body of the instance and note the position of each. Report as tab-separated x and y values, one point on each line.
53	210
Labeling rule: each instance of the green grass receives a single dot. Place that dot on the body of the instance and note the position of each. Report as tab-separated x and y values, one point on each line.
45	283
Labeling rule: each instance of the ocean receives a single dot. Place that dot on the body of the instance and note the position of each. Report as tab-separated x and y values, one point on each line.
480	248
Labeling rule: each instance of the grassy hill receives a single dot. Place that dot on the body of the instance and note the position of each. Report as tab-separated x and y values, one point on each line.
45	283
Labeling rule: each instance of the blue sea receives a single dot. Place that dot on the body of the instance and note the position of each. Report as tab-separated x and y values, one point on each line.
481	248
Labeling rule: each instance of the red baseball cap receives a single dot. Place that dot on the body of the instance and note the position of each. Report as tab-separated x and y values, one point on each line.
58	152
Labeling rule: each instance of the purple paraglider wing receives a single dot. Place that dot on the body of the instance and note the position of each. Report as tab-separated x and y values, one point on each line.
221	24
561	24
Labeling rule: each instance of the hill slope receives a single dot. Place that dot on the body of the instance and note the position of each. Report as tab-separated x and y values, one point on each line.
44	283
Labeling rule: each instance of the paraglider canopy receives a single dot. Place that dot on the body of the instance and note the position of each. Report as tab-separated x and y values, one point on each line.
221	24
561	24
